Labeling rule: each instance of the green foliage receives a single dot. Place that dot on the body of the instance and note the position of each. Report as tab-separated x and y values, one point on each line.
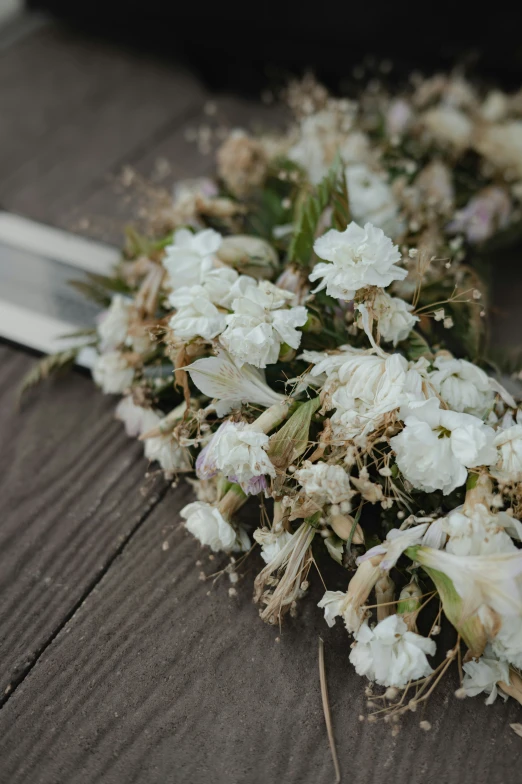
417	346
331	191
46	367
291	440
100	288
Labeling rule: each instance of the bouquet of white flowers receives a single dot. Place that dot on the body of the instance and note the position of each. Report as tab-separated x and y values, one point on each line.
298	338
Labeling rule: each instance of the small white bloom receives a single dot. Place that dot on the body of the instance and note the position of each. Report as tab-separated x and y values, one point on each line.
261	322
394	317
321	135
131	415
478	532
238	451
190	257
448	126
483	675
501	145
394	545
508	441
114	323
164	449
324	483
112	372
272	542
333	603
207	524
372	200
462	385
399	117
359	257
391	655
437	446
201	309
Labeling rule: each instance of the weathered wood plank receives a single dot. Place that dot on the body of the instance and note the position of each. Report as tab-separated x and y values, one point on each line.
96	106
72	490
160	677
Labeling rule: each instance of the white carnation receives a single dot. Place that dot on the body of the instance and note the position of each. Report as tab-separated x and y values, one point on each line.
201	309
132	416
391	655
324	483
207	524
363	388
261	322
478	532
462	385
190	257
436	447
334	605
164	449
359	257
508	441
112	372
238	451
321	135
394	317
483	675
114	323
371	199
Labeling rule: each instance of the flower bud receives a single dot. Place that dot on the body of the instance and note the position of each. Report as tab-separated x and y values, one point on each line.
249	255
409	605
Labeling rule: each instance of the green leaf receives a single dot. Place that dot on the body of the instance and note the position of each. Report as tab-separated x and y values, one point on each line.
312	207
100	288
417	347
46	367
290	441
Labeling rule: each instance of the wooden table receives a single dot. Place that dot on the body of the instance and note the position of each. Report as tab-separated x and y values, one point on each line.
117	663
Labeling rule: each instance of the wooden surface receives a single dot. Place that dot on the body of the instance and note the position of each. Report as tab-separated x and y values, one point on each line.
117	663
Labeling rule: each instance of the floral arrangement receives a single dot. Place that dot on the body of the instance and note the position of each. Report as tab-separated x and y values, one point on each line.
299	339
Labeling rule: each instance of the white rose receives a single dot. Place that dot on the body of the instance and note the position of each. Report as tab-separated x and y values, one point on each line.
371	199
462	385
207	524
359	257
391	655
190	257
112	372
436	447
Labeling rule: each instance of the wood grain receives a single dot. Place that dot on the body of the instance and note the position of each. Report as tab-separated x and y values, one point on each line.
160	678
74	110
72	490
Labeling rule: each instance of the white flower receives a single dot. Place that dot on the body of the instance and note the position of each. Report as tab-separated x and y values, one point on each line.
207	524
507	644
261	323
220	378
114	323
333	603
132	416
238	451
359	257
478	532
394	317
495	106
324	483
190	257
462	385
363	388
484	215
394	545
483	675
164	448
448	126
371	199
399	117
112	372
321	135
391	655
272	542
437	446
201	309
508	441
489	581
502	145
435	186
